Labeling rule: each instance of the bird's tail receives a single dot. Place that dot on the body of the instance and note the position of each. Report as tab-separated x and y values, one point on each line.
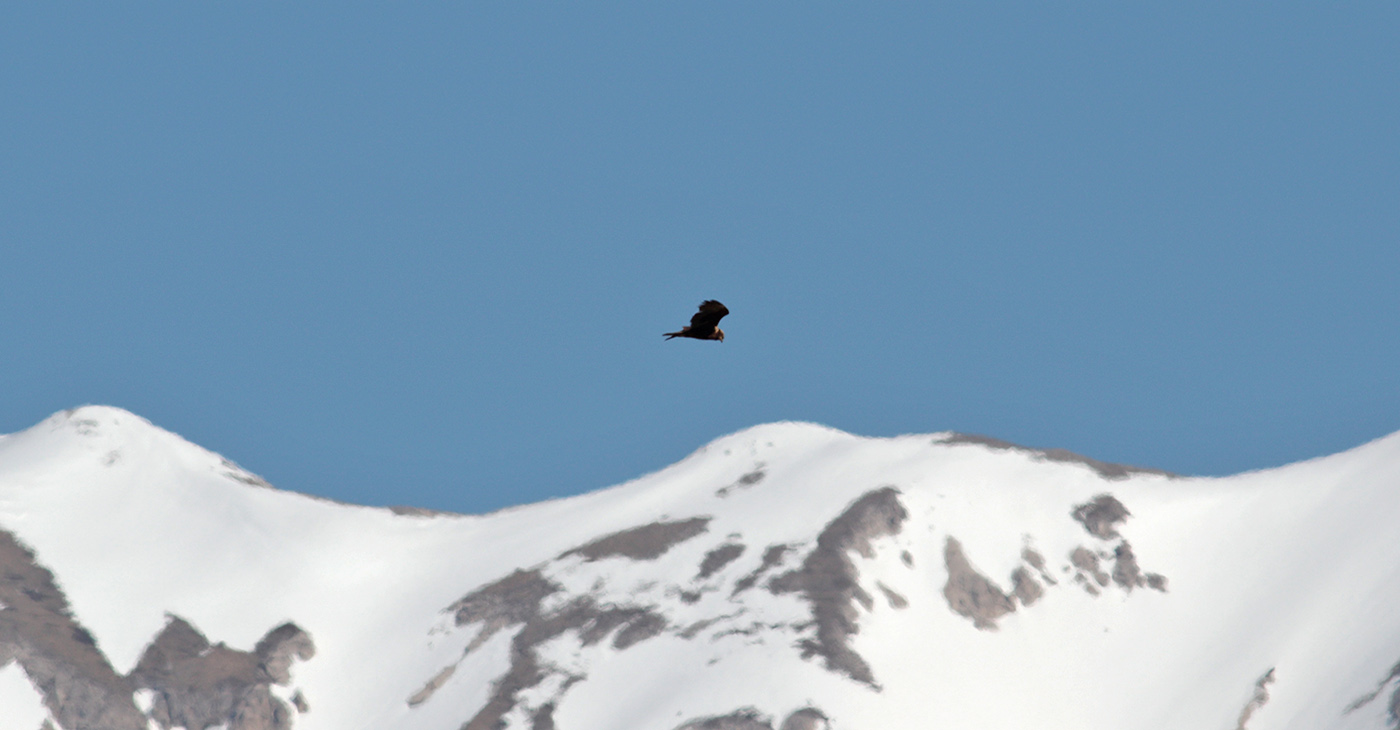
671	335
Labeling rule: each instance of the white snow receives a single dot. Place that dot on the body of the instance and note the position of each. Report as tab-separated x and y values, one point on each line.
1295	569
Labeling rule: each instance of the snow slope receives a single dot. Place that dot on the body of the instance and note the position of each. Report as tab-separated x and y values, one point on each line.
788	576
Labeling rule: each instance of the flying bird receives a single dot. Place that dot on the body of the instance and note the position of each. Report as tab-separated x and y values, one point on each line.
704	325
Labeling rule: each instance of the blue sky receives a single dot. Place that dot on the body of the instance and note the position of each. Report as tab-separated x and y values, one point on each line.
424	255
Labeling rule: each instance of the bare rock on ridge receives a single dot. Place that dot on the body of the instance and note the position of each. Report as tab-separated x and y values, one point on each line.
37	628
828	579
970	593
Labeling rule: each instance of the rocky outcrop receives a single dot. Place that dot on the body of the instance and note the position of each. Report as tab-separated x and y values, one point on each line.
517	600
194	684
1106	470
1101	515
748	718
970	593
647	542
1258	700
807	718
745	718
38	630
197	684
828	579
718	558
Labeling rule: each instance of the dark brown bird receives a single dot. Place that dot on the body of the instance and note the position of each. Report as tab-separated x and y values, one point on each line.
704	325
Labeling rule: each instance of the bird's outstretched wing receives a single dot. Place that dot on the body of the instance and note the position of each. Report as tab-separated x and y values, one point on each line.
707	319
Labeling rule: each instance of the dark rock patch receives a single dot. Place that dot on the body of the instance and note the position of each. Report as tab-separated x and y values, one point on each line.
543	718
511	600
1125	568
517	600
807	718
525	669
635	623
1025	588
1260	698
1157	582
771	558
1087	561
1037	561
1393	709
1100	515
198	684
970	593
639	629
432	686
1104	469
37	628
743	482
647	542
894	599
718	558
746	718
907	558
828	579
404	510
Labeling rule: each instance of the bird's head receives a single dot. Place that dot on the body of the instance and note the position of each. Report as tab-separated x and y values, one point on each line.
719	334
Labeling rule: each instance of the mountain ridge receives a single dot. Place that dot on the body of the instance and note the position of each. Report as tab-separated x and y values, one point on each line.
772	566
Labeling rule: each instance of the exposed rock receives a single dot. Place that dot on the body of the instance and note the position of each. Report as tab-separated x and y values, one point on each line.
1100	516
525	670
895	600
970	593
543	718
639	629
746	718
1261	696
743	482
432	686
828	579
278	648
1104	469
1157	582
299	702
511	600
807	718
647	542
771	558
1025	588
1125	569
907	558
80	688
1088	563
1394	707
404	510
198	685
517	600
1037	561
718	558
257	709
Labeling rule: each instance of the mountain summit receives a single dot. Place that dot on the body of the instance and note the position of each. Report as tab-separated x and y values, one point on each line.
786	577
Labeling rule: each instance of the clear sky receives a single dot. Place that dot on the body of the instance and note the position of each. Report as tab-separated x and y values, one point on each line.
424	253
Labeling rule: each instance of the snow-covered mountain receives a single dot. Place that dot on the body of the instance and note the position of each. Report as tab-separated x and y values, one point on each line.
789	576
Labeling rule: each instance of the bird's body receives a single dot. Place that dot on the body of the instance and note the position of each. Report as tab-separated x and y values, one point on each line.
704	325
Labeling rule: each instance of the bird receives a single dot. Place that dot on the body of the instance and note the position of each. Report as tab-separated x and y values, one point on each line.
704	324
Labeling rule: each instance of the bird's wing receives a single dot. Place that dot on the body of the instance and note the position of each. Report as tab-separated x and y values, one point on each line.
711	312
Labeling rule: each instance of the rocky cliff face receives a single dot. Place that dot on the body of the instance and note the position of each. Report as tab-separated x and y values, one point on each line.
181	680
